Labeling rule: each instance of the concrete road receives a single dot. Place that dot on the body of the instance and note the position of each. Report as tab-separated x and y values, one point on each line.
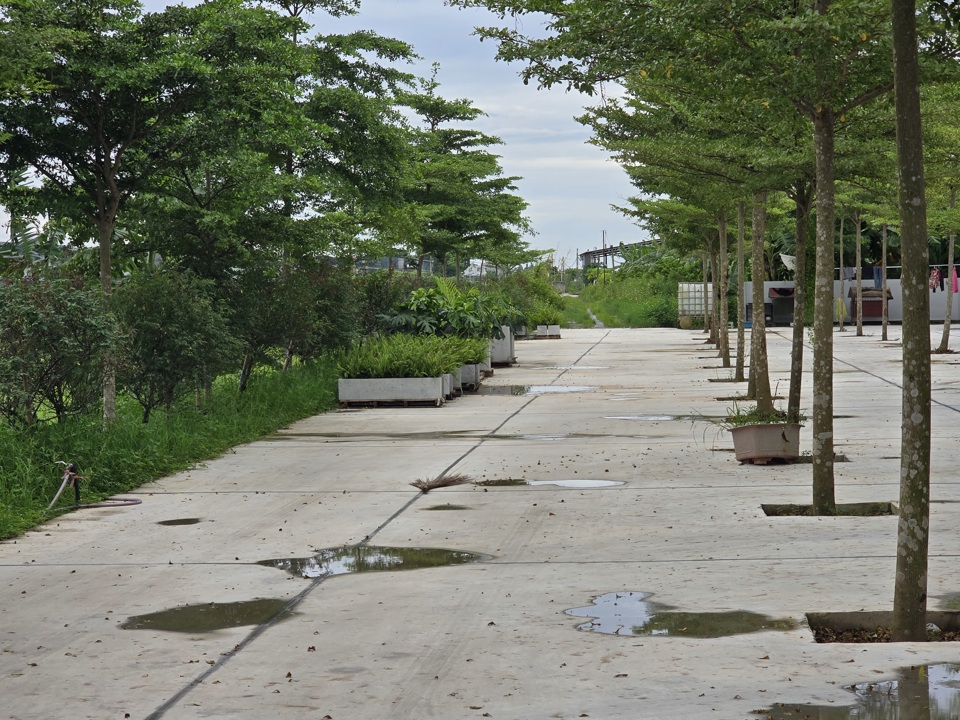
489	638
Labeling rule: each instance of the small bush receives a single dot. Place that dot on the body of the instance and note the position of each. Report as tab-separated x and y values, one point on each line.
410	356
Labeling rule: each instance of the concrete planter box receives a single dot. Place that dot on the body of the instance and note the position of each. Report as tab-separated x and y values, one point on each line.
502	351
451	385
374	390
470	377
758	444
550	331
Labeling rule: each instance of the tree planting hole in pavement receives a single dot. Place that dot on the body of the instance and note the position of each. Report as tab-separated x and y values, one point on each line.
931	692
630	613
447	507
208	617
874	626
179	521
867	509
371	558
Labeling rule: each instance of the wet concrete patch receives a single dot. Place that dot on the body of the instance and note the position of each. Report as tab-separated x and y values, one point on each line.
868	509
630	613
930	692
503	390
577	484
209	617
371	558
560	389
577	367
179	521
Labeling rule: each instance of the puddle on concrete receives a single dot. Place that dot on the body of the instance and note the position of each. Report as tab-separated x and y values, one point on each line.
502	389
447	507
923	692
345	436
549	389
581	484
208	617
577	367
660	418
630	613
371	558
179	521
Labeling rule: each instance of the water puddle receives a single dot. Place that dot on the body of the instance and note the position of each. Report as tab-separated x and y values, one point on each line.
447	507
548	389
208	617
924	692
576	484
370	558
179	521
661	418
503	389
630	613
581	484
578	367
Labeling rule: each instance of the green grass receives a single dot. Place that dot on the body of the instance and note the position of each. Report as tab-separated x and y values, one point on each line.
633	302
128	453
575	313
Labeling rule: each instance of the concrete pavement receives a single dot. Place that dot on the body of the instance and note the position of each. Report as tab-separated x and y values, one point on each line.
491	638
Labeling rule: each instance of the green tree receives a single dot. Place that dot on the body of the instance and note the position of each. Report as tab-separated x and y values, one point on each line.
53	336
176	340
119	88
457	199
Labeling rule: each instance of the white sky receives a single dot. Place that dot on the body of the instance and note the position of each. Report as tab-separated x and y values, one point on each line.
569	185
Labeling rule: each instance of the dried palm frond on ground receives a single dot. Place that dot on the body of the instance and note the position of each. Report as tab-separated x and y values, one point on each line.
426	486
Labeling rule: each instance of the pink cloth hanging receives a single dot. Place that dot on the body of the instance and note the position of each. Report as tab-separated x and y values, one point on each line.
955	284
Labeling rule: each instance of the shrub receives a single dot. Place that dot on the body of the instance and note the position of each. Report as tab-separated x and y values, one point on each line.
54	336
410	356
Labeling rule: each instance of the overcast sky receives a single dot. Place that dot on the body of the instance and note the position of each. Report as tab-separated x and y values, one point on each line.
569	184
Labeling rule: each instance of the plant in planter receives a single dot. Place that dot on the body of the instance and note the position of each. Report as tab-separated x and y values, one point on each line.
404	368
759	438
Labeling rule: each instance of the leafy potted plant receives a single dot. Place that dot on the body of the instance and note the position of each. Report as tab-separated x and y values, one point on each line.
404	368
759	437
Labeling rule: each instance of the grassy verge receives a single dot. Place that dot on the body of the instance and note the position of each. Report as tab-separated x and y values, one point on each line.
575	312
633	302
128	453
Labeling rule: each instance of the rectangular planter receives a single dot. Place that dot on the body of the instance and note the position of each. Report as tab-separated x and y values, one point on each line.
374	390
548	331
502	351
758	444
451	385
470	377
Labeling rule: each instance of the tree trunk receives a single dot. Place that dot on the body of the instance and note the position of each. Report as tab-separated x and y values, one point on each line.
105	227
843	286
910	592
714	288
859	236
738	374
803	200
245	371
706	292
948	315
722	291
824	501
883	290
759	373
